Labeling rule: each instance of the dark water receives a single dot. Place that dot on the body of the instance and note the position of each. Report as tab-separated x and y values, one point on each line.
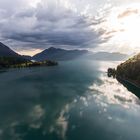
72	101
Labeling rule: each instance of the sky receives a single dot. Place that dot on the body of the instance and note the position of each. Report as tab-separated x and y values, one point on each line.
30	26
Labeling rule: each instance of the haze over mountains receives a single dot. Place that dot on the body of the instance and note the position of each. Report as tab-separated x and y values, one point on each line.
59	54
106	56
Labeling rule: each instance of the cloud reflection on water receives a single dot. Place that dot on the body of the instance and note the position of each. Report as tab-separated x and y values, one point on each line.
68	101
113	92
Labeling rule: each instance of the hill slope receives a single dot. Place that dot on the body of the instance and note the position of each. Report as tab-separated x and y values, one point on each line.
130	70
58	54
6	51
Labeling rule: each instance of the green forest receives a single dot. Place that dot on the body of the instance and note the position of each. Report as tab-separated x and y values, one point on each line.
130	69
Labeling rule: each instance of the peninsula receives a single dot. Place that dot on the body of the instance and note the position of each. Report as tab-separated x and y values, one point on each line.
128	71
16	62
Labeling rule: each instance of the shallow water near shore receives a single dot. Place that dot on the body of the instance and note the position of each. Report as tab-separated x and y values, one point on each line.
72	101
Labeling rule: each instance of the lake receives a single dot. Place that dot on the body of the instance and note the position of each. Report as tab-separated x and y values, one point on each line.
72	101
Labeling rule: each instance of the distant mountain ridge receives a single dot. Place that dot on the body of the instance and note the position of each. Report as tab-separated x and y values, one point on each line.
59	54
107	56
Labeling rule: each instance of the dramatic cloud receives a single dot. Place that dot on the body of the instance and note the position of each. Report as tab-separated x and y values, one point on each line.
121	29
48	23
39	24
128	12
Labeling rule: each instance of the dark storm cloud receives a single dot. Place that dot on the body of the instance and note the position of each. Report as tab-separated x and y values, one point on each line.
47	24
71	38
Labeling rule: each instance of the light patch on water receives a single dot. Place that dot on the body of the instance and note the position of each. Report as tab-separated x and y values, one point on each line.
63	124
85	101
112	92
13	124
1	131
37	112
35	126
110	118
35	116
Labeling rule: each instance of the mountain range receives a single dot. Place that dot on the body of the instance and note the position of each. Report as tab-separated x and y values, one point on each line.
58	54
107	56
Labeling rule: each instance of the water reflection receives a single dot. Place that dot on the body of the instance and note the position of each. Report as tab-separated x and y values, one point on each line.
74	101
113	92
132	88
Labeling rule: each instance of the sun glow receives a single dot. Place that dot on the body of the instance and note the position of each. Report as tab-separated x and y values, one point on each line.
34	3
123	27
29	52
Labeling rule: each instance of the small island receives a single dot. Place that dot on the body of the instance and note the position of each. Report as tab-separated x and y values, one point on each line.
19	62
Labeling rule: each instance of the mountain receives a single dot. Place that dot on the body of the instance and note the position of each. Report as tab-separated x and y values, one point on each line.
62	54
6	51
106	56
59	54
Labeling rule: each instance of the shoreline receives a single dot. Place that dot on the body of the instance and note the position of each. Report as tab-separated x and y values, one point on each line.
128	81
8	64
130	85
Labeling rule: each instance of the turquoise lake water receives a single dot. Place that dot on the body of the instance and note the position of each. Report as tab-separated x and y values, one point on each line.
73	101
